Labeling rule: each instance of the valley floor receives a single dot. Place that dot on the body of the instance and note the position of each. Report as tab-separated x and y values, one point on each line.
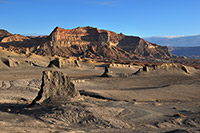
156	101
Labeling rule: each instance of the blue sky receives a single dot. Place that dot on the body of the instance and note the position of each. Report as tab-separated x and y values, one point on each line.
132	17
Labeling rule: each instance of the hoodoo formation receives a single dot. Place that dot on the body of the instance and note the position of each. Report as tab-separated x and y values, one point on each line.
107	72
84	42
56	88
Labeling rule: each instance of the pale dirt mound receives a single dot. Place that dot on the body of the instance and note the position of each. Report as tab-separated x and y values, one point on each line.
38	60
120	65
63	63
10	59
167	67
10	62
87	61
177	67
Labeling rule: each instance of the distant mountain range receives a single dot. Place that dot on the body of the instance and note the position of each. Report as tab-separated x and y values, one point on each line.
176	41
188	46
192	52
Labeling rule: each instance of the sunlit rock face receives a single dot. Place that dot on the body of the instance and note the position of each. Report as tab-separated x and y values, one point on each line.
85	42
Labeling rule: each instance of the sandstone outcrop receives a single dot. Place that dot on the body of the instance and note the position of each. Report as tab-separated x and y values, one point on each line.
54	63
10	62
56	88
63	63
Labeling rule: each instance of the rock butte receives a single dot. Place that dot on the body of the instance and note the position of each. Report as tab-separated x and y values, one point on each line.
84	42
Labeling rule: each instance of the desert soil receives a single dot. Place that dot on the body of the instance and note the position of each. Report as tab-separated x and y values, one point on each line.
154	101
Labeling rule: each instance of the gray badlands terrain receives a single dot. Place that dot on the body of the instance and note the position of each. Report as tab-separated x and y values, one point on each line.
132	98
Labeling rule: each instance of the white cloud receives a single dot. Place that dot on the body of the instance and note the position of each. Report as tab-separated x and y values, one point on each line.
170	37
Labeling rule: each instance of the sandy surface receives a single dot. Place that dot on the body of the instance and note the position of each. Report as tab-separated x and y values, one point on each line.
154	101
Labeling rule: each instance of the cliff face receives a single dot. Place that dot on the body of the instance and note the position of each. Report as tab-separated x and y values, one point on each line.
86	42
83	42
140	47
83	36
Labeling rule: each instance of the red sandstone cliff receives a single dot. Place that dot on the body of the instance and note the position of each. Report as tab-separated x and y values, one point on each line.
85	42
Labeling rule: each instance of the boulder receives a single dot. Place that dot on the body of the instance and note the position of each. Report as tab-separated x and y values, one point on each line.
56	88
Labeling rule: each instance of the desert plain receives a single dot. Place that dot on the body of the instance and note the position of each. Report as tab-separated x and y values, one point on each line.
163	98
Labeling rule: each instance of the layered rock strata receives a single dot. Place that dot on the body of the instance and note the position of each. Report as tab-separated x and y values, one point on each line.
85	42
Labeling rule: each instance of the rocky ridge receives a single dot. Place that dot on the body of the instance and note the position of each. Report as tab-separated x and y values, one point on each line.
3	34
84	42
